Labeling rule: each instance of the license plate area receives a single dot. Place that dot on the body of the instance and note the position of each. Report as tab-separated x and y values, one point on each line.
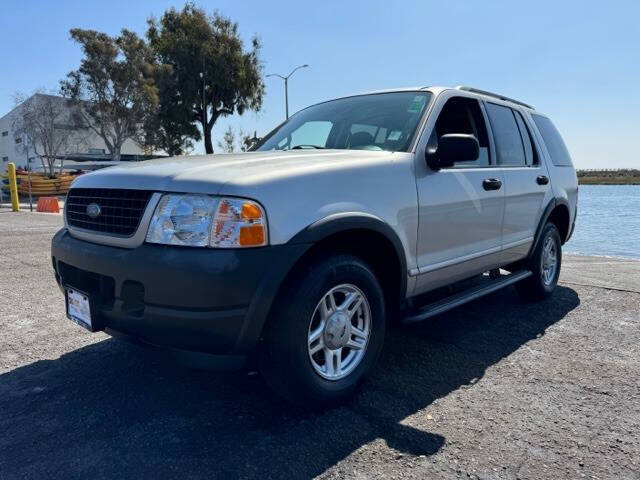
79	308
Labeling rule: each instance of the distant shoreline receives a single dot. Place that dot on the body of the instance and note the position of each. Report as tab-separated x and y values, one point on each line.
609	177
608	181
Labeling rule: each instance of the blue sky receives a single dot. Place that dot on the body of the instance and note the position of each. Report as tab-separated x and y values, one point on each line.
579	62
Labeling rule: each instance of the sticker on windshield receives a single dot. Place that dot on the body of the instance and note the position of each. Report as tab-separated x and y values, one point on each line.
394	135
417	104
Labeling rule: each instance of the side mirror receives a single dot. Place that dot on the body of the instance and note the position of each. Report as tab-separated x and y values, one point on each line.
452	148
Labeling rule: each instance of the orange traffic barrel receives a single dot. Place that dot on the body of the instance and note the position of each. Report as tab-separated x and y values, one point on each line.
48	204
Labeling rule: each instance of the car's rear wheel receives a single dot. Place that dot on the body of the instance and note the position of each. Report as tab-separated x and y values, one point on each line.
325	331
545	264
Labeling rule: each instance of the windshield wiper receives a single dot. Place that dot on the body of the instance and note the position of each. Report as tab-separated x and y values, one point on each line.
301	147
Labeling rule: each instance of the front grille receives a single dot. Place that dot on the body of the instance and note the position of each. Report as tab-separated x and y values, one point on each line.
120	210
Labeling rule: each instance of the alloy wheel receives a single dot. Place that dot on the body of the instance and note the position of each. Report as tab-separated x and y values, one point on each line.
339	332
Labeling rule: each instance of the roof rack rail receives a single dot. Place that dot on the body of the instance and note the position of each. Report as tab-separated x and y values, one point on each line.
491	94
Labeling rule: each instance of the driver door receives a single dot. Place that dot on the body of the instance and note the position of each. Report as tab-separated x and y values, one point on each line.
461	208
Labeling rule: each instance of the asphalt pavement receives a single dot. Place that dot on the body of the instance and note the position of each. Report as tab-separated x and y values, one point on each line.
494	389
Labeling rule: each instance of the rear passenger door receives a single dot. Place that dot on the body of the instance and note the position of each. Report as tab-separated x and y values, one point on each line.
526	180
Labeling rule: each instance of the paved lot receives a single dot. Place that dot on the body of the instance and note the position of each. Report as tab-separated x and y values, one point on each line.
495	389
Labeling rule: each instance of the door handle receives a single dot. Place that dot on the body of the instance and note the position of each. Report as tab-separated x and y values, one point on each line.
542	180
491	184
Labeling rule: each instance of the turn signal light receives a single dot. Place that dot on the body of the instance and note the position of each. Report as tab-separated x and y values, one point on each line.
252	236
239	223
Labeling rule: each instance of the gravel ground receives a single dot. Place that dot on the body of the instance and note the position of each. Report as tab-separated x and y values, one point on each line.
494	389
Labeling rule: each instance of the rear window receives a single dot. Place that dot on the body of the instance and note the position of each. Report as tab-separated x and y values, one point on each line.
552	139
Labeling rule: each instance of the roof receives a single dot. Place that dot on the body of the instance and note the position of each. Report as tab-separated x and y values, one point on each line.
31	98
493	95
438	89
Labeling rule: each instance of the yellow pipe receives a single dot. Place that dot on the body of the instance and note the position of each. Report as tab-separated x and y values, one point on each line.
13	187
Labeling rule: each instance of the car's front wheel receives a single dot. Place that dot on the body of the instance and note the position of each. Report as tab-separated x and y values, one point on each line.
325	331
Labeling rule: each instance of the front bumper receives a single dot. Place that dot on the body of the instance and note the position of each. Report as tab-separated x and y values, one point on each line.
192	300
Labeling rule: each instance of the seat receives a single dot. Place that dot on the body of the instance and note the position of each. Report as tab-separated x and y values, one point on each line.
360	139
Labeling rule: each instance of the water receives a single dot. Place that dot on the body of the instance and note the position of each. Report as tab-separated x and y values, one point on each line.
608	221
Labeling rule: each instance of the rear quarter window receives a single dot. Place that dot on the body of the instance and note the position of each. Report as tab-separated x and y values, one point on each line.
553	141
509	147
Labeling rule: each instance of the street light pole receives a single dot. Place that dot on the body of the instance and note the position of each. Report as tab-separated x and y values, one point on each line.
286	85
286	96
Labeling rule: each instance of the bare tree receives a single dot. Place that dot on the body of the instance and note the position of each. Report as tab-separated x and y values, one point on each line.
241	141
47	129
228	142
114	91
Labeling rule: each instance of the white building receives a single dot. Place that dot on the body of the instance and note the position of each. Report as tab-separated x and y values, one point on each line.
87	147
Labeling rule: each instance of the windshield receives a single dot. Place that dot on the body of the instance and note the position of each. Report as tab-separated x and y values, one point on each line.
383	121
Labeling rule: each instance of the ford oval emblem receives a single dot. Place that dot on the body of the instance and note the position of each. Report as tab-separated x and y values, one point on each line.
93	210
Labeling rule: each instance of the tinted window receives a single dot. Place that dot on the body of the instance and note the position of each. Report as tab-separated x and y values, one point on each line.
463	115
529	148
552	139
509	149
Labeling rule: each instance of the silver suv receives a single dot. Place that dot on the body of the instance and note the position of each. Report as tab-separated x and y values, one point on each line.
299	253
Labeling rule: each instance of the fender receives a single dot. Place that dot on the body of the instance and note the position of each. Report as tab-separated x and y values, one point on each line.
340	222
296	247
543	220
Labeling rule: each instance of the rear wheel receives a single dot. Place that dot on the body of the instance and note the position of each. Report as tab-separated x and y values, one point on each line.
545	264
325	332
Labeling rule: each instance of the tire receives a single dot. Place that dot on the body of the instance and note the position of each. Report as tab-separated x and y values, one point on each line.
542	283
285	355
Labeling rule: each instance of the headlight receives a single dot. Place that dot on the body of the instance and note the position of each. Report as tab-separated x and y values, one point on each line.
202	220
182	220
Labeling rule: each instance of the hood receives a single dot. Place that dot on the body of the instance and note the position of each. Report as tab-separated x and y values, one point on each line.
209	173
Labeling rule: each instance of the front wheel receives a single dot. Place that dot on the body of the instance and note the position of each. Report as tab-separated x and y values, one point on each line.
325	332
545	264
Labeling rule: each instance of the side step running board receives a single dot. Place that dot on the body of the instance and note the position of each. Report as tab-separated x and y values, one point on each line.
465	296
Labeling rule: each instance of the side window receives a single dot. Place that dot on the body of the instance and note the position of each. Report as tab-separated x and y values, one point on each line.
529	148
552	139
509	149
463	115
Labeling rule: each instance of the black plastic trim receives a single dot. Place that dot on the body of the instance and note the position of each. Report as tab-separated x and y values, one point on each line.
573	224
543	220
197	299
564	202
342	222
